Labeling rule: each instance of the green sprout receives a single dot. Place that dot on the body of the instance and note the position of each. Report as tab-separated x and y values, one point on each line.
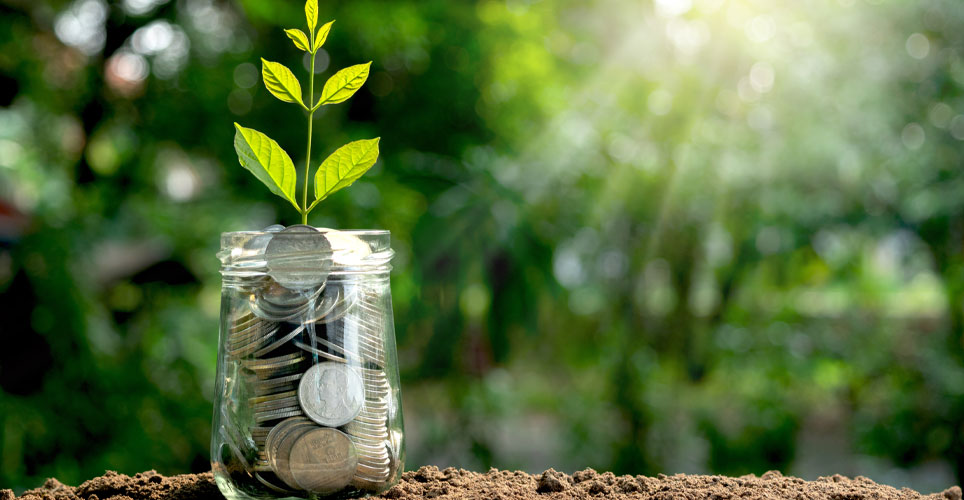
264	157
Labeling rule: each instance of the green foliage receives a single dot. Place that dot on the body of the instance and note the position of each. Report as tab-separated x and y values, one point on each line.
300	39
321	36
281	82
344	167
343	84
311	14
263	157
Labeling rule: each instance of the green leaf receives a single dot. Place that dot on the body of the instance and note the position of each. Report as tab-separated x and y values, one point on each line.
300	39
281	82
267	161
311	14
345	83
321	36
345	166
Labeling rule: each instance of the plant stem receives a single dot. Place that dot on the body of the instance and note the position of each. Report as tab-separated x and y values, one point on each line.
311	113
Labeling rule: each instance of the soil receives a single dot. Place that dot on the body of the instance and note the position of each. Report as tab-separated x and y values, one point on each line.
430	482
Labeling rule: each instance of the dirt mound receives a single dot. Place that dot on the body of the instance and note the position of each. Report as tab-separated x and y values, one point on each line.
430	482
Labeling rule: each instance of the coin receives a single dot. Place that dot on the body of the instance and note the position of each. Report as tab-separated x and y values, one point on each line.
276	303
273	385
260	431
299	257
281	404
239	335
259	435
240	320
280	449
319	352
284	403
272	367
367	430
331	393
277	432
280	342
250	340
346	249
283	298
338	350
323	460
271	397
268	416
333	305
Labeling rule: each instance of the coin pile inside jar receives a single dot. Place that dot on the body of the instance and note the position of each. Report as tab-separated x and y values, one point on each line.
312	353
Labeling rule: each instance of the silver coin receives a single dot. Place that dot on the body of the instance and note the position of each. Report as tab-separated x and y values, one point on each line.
283	298
271	397
261	334
333	305
376	464
251	334
373	472
280	342
276	306
254	364
272	367
352	343
244	335
278	401
377	390
323	460
372	447
299	257
356	341
368	419
240	319
347	250
281	404
319	352
273	385
255	245
268	416
338	350
331	394
367	430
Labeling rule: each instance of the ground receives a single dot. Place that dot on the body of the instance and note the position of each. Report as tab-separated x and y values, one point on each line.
430	482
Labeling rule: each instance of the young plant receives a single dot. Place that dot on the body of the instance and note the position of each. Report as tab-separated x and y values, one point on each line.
264	157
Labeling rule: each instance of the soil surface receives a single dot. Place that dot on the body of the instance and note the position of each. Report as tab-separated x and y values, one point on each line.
430	482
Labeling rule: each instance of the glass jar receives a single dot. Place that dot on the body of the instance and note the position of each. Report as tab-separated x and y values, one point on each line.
307	399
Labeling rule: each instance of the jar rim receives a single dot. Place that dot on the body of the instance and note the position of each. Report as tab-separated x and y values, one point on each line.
239	259
352	232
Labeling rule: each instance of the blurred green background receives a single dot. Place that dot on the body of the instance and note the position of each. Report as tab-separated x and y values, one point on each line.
672	236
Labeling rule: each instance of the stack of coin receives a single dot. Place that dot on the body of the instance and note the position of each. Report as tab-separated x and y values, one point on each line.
316	398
